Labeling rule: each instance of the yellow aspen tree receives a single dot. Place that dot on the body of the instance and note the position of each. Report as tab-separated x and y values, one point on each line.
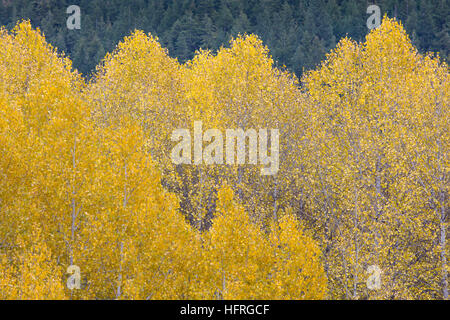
32	273
243	262
239	88
235	263
298	265
369	107
42	96
140	80
135	243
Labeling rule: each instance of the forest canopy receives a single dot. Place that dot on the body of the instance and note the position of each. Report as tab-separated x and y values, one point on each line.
87	178
298	32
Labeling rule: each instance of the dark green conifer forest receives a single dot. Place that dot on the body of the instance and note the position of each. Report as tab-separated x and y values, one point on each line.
297	32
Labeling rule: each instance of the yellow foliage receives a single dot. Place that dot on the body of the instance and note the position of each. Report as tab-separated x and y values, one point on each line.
243	262
86	177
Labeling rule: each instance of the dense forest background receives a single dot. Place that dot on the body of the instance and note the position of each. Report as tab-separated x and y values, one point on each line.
298	33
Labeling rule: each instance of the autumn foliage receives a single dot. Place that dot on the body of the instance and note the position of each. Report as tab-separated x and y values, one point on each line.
87	179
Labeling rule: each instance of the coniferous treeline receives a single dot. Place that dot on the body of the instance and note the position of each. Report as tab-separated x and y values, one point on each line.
297	32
